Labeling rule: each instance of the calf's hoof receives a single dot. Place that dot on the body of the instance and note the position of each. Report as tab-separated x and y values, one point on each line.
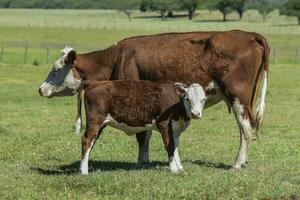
84	171
175	169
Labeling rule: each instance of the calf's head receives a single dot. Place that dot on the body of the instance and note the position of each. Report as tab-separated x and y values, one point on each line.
193	98
63	79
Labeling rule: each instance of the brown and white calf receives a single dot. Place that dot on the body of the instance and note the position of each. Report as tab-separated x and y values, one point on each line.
135	106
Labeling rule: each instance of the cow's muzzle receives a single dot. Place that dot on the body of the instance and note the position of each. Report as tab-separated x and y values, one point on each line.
196	115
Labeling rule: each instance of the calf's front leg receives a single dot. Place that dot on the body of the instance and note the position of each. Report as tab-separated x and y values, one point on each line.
89	138
167	136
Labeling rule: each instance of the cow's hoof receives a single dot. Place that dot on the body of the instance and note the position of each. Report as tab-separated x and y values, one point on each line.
236	168
84	172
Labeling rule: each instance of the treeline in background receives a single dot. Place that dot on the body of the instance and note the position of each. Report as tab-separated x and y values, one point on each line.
166	8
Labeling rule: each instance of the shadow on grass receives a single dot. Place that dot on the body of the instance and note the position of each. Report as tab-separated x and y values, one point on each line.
73	168
211	164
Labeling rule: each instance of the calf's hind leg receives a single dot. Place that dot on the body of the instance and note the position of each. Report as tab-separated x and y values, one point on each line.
143	139
89	138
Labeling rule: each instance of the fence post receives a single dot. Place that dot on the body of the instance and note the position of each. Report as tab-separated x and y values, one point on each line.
1	54
47	55
25	54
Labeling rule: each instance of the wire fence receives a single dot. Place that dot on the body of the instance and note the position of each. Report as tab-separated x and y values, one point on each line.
47	53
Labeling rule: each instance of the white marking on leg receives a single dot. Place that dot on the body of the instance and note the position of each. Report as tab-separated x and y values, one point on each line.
173	165
245	134
78	125
84	168
177	159
178	127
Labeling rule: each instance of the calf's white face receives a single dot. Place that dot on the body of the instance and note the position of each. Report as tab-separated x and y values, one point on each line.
193	98
61	81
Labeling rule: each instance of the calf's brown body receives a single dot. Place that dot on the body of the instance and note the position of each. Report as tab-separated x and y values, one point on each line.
136	104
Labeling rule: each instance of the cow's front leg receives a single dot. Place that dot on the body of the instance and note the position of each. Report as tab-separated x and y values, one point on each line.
143	139
87	141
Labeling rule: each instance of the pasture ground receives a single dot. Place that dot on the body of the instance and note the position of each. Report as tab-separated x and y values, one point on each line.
39	152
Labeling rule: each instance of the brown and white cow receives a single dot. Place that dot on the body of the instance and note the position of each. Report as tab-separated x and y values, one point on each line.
230	66
136	106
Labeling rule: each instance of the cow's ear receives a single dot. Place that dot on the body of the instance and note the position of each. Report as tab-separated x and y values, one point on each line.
180	89
70	58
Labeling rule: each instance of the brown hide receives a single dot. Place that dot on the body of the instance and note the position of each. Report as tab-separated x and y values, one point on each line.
232	59
135	103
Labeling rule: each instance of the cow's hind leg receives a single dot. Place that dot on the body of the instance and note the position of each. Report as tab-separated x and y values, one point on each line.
143	139
89	138
243	118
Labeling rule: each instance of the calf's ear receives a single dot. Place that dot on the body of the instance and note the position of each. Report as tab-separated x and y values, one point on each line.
70	58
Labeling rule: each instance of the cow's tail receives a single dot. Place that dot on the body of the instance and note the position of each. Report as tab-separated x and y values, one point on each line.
262	81
78	122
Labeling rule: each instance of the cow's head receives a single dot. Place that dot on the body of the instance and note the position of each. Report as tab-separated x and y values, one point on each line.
63	79
193	98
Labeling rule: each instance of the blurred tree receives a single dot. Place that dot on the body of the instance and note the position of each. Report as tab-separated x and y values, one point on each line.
190	6
291	8
264	7
127	7
165	7
210	5
240	6
225	7
144	5
5	3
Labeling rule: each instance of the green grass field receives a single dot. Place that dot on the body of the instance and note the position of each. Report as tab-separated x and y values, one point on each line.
39	152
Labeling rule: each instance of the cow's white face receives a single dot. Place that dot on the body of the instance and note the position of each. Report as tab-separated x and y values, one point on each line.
193	98
61	80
